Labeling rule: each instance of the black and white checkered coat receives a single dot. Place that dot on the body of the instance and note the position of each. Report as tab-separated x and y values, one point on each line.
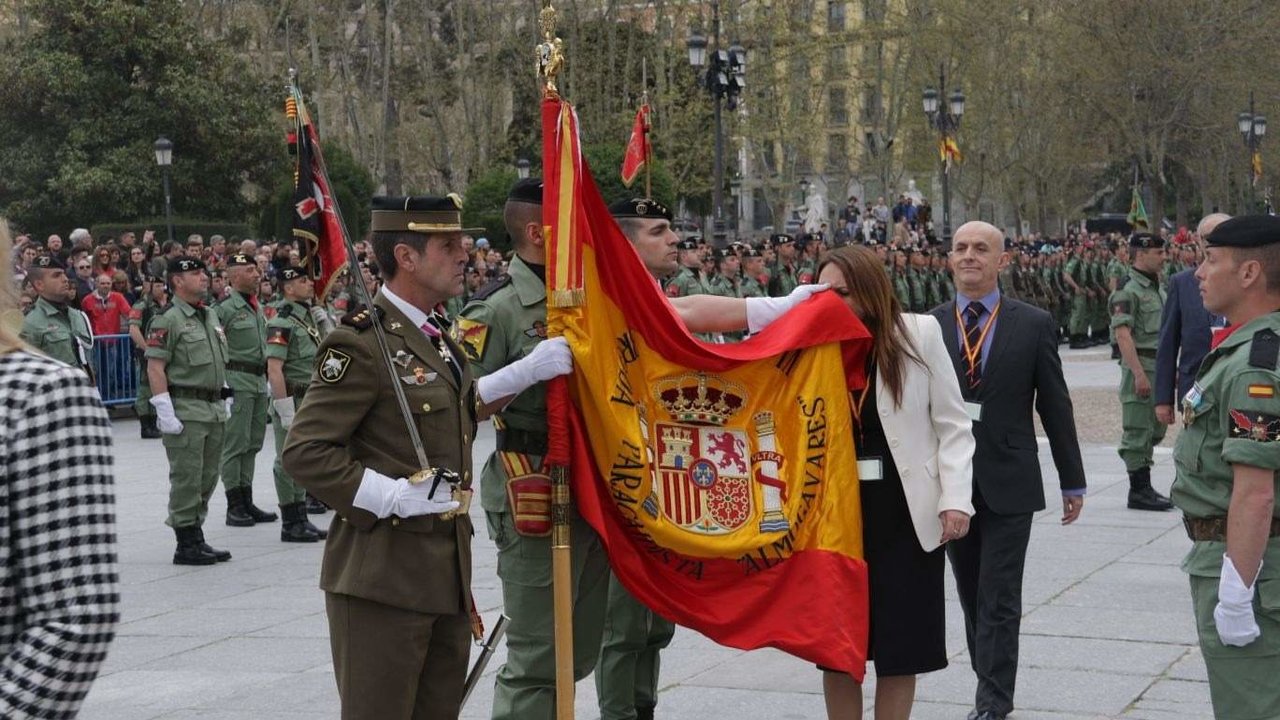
59	597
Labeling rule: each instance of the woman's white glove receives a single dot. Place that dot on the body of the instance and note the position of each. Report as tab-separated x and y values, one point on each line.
1234	613
384	496
285	411
550	358
166	420
763	311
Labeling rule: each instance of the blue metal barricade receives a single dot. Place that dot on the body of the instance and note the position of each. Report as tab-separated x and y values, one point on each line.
116	369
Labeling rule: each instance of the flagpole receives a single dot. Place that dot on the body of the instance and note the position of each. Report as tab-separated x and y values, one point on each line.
551	59
353	268
644	102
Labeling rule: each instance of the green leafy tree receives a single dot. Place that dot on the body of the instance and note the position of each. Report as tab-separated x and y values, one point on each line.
84	95
482	206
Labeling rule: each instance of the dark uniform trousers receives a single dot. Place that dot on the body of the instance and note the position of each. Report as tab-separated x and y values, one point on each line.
397	589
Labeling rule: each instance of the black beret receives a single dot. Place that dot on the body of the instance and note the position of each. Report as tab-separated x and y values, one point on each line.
48	262
184	264
293	272
1246	231
526	190
687	244
241	259
640	208
421	213
1145	241
780	239
749	252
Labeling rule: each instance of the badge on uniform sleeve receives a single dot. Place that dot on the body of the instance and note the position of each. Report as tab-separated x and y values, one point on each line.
1256	426
1262	391
472	335
156	337
278	336
1120	307
334	365
538	330
673	290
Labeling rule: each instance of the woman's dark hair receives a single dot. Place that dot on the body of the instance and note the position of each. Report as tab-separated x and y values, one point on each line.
868	284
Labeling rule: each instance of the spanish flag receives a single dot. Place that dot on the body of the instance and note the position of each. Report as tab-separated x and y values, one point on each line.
721	478
949	151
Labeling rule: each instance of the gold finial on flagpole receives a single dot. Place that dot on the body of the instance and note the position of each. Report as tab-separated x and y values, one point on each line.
550	52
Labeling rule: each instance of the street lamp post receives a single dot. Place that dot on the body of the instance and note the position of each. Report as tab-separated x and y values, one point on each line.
946	120
1252	127
164	158
522	168
725	80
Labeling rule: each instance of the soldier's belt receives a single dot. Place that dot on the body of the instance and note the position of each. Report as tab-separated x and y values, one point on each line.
529	442
1215	528
1144	352
258	369
196	393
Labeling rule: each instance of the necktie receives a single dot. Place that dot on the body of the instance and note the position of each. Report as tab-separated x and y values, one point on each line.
973	335
432	331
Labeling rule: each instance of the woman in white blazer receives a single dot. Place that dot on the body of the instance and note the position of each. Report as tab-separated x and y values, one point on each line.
915	468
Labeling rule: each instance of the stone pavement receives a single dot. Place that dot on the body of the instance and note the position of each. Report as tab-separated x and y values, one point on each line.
1107	631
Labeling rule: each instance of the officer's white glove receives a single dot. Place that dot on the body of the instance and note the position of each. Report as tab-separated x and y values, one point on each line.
285	411
550	358
166	420
1234	614
763	311
384	496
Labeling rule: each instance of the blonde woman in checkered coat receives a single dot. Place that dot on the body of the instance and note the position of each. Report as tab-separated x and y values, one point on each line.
58	584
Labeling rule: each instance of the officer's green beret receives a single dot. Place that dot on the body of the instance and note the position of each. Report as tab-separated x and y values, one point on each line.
1246	231
420	214
640	208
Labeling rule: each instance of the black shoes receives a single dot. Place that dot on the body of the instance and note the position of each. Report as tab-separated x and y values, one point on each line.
193	550
258	514
644	713
297	528
315	507
1144	497
237	514
241	512
984	715
1078	342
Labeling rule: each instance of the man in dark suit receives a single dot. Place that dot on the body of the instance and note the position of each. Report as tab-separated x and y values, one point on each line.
1015	345
1185	332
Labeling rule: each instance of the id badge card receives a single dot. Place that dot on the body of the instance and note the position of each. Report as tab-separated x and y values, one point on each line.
974	409
870	469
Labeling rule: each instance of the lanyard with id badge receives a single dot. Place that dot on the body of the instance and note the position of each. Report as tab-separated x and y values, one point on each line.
870	469
973	354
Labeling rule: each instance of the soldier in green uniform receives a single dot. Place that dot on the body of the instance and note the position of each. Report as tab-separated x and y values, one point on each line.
1075	275
915	279
293	338
503	323
53	326
154	301
753	272
187	367
1099	320
246	331
689	280
1135	320
784	276
899	277
397	563
726	282
1011	281
946	287
1227	462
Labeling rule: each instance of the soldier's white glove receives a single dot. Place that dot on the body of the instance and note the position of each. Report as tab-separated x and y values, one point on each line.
285	411
229	402
1234	613
550	358
384	496
763	311
321	318
166	420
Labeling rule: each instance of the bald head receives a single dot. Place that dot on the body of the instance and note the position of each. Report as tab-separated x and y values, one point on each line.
977	256
1209	222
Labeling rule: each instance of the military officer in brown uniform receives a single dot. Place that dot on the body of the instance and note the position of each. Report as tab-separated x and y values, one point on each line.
397	563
